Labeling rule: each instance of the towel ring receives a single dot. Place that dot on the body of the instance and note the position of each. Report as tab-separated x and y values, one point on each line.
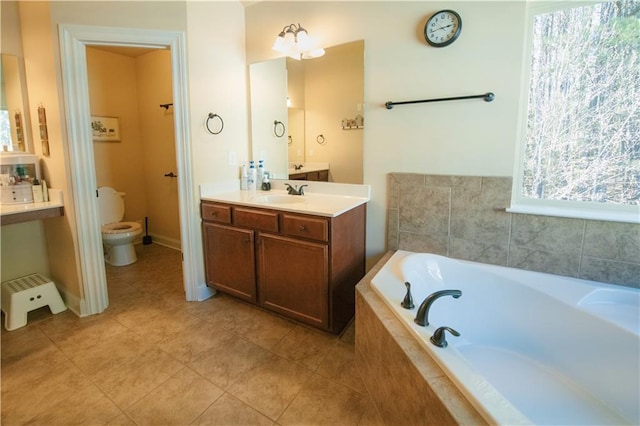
320	139
210	117
277	123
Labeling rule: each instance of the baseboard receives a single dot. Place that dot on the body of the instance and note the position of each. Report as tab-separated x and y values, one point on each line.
73	302
163	241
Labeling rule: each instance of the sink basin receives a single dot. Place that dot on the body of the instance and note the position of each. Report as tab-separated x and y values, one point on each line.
279	199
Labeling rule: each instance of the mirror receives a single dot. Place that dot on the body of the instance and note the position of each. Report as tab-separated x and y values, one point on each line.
320	103
14	117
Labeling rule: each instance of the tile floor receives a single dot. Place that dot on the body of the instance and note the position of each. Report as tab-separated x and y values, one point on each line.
153	359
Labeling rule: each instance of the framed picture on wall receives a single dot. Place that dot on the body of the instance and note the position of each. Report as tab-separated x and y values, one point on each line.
105	129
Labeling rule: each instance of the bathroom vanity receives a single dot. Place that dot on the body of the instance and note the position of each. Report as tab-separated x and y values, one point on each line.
310	171
299	256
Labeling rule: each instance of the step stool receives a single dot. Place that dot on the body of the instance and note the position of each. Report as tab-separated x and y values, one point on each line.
25	294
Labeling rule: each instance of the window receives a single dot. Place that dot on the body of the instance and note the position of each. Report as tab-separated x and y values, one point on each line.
5	130
580	154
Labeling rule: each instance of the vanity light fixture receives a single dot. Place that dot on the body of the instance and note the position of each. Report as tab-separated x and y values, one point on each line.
294	41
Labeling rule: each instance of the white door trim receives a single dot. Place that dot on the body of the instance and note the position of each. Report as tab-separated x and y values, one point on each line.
73	41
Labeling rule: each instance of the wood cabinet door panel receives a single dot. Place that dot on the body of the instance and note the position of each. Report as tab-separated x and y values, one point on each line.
305	227
264	220
216	213
293	278
230	260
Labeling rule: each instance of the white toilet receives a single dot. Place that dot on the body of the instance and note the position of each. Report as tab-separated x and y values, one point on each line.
117	236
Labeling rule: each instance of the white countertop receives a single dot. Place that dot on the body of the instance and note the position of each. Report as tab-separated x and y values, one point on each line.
320	198
55	200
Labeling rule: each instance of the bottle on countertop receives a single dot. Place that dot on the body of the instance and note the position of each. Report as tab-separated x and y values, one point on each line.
36	190
266	185
260	172
251	180
244	178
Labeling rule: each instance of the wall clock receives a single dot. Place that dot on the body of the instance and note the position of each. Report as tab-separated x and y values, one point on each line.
443	28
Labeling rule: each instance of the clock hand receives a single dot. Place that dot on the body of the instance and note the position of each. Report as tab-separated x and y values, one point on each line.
441	28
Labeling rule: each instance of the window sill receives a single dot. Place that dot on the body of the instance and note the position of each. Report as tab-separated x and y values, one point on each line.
576	213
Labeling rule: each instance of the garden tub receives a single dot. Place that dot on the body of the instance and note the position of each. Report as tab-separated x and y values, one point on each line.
534	348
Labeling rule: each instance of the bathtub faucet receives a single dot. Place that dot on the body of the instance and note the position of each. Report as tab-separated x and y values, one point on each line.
422	317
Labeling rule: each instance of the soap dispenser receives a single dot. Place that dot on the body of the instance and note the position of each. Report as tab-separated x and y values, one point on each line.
266	185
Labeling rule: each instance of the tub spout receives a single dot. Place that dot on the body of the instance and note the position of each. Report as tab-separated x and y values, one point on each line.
422	317
438	337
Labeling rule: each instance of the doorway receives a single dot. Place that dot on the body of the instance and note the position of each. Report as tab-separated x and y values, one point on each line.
131	86
73	42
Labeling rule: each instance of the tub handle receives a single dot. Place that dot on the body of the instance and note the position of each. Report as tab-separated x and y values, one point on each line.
407	303
439	338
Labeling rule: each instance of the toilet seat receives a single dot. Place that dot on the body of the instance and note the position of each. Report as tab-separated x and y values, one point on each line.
121	227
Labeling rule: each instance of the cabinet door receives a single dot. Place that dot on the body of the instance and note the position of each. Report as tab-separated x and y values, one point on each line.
230	260
293	278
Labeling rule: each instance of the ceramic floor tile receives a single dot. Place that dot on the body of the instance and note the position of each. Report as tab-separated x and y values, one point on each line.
122	420
271	386
229	360
230	411
306	346
125	384
155	329
323	402
89	406
110	352
263	328
85	335
30	388
21	344
339	365
187	390
188	346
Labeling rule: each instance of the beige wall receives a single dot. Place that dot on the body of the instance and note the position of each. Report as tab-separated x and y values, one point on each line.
113	92
153	75
132	89
466	137
39	49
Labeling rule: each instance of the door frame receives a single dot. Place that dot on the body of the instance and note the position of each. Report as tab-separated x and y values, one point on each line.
73	42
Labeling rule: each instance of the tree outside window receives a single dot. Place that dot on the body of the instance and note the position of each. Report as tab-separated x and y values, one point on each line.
583	120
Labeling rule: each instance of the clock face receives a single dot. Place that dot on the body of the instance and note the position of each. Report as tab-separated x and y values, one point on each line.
443	28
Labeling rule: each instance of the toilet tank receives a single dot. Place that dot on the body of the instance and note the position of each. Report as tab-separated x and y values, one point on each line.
18	170
110	205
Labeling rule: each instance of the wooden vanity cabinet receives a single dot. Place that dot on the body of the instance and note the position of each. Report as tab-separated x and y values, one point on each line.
318	175
304	267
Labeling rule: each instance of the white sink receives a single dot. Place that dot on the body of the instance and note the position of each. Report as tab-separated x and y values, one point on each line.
279	199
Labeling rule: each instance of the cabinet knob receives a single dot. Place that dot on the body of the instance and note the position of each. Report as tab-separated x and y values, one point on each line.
247	240
303	227
214	214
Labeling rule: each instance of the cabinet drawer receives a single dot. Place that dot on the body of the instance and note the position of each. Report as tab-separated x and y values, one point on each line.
305	227
262	220
216	213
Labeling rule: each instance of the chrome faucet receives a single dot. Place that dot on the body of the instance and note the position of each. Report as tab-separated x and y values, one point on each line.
296	191
422	317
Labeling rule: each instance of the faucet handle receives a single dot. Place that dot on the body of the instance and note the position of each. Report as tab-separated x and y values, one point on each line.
407	303
439	338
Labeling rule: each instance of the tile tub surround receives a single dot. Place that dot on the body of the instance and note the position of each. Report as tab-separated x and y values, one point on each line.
406	385
464	217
